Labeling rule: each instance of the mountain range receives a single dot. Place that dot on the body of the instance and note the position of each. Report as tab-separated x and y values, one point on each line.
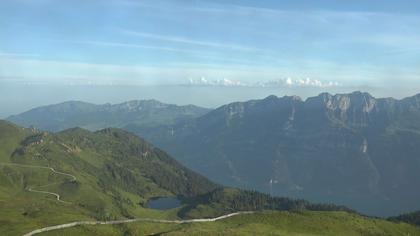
129	115
350	149
77	175
111	175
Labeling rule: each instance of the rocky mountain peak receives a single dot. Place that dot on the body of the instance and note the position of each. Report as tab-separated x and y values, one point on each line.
137	105
356	101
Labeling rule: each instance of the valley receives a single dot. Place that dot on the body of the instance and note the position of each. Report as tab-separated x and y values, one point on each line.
349	149
209	118
104	180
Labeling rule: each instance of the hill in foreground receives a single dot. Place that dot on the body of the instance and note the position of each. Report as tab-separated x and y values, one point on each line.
109	174
112	174
350	149
263	223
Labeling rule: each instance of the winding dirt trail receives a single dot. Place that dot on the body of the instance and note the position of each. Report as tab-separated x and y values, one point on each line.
77	223
30	189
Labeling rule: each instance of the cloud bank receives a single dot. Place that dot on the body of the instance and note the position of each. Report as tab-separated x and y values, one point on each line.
283	82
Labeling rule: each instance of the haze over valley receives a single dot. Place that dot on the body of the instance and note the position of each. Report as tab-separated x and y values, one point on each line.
209	117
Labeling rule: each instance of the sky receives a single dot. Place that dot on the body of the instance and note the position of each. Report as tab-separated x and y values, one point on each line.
267	46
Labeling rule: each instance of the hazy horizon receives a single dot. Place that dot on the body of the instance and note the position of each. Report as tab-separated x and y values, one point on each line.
165	42
204	96
49	48
82	153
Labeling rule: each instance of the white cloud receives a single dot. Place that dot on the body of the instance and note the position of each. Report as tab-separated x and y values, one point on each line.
209	55
308	82
130	45
176	39
64	71
217	82
286	82
318	74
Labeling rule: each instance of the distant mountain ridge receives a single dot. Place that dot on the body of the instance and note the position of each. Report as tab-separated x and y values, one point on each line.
411	218
136	113
114	174
351	149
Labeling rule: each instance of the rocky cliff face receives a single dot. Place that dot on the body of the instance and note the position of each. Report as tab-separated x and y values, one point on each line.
347	148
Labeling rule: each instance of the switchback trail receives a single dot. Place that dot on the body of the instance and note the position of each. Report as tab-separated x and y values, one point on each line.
72	224
30	189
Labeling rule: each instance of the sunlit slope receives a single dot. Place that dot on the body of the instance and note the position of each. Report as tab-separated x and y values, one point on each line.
116	173
10	138
52	179
266	223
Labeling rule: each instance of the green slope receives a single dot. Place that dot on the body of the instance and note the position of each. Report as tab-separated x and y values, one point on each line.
115	174
10	137
264	223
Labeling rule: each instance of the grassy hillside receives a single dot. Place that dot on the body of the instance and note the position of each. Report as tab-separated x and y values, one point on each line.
116	175
265	223
226	200
10	138
111	174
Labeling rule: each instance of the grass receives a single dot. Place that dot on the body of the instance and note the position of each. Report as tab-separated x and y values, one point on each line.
264	223
9	142
23	211
113	182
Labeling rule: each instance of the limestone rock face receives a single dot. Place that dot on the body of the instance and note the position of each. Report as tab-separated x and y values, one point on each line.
346	148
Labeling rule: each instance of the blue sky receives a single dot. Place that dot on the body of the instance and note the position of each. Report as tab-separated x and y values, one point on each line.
353	44
167	42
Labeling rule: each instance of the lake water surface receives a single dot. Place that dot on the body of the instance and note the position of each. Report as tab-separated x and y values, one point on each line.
164	203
